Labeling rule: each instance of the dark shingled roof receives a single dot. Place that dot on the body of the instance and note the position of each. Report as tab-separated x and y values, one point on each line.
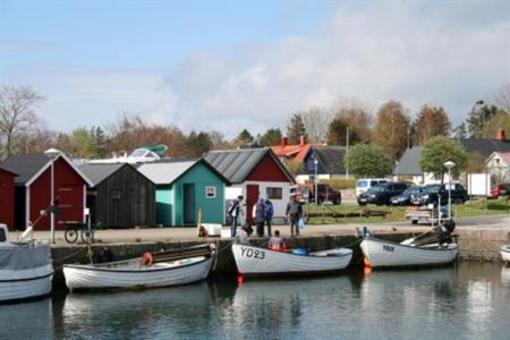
98	172
331	158
25	166
236	165
408	164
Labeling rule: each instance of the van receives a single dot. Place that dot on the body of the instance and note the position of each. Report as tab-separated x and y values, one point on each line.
363	184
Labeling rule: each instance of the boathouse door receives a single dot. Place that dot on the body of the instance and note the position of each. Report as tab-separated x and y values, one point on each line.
189	203
252	193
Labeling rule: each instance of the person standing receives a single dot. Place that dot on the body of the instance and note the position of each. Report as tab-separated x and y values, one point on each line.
294	213
233	212
269	215
260	217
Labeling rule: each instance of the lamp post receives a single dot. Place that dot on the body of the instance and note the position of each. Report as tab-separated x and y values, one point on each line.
316	194
449	165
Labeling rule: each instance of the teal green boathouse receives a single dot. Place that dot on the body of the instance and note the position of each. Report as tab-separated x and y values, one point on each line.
185	187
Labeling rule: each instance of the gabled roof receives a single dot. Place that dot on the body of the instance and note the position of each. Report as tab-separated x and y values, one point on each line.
485	147
331	158
29	167
98	172
504	156
236	165
166	172
409	163
294	151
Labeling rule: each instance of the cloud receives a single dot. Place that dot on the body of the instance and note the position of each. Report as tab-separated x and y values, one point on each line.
449	54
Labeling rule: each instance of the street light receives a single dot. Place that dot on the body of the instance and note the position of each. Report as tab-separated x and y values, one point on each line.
449	165
316	163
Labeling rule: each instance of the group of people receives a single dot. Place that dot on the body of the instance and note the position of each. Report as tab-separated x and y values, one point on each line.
263	214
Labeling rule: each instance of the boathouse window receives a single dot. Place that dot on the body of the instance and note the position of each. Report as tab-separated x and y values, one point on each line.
210	192
274	193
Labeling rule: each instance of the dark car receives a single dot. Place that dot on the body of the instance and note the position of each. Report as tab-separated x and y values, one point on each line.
406	197
381	194
502	189
326	194
432	192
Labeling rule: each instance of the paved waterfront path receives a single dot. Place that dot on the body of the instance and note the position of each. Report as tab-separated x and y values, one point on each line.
500	222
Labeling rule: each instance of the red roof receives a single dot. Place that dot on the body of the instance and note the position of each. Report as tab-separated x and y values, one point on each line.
295	151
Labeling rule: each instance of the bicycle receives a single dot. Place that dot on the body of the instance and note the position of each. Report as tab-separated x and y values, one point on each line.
79	230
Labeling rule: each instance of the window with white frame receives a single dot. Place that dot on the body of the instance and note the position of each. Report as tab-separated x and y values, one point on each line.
210	192
274	193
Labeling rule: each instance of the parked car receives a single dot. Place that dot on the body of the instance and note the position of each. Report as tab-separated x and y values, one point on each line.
406	197
363	184
305	193
432	192
381	194
502	189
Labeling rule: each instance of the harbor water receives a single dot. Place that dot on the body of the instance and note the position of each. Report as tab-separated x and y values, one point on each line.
468	301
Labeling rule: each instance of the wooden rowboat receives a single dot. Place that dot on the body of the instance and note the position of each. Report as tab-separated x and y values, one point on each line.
382	253
256	261
505	253
170	268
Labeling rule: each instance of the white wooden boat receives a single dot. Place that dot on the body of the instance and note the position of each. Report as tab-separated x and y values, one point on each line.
168	269
26	269
256	261
505	253
382	253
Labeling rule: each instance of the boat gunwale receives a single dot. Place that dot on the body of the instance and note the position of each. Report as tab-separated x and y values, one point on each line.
411	247
309	255
29	278
149	270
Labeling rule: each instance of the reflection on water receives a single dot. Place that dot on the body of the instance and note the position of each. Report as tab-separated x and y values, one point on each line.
471	301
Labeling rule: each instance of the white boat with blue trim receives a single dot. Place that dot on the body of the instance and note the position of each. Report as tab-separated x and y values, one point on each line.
26	269
256	261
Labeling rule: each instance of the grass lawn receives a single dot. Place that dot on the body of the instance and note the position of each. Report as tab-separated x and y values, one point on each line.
470	208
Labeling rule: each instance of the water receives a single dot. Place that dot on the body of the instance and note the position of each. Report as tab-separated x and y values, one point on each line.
471	301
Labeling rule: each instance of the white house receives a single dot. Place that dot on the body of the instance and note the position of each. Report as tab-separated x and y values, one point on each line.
498	165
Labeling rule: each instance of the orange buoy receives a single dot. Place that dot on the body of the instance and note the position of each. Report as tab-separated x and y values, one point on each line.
240	279
366	262
147	259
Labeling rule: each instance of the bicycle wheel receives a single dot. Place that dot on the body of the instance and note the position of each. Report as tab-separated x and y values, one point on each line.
87	236
71	235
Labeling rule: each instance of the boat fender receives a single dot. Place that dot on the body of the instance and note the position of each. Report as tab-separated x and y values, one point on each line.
147	259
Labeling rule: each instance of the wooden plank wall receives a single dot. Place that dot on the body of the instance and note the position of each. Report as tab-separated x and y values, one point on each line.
125	199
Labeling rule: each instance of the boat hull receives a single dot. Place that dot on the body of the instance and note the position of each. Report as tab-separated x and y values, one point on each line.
382	253
505	253
96	277
255	261
25	284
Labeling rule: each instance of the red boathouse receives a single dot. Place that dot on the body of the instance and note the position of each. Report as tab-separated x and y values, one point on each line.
7	197
44	180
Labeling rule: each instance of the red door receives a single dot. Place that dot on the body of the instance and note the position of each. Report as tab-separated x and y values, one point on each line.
252	191
71	205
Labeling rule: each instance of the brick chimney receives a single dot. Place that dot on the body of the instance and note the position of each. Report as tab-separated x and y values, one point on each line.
284	141
302	141
500	135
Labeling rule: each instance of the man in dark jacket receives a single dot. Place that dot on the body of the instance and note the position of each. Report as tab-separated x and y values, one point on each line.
234	211
294	213
260	217
269	215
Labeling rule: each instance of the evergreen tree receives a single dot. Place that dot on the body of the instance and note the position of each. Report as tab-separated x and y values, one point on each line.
296	129
337	133
461	131
198	144
271	137
480	114
244	140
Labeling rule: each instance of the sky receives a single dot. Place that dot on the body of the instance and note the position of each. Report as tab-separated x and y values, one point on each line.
229	65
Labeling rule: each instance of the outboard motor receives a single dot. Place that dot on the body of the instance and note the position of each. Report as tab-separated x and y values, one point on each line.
444	231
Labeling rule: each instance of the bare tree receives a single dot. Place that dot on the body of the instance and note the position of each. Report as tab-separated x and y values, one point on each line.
316	120
17	115
501	98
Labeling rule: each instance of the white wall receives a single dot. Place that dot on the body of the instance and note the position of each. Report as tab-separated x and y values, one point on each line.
279	205
499	169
